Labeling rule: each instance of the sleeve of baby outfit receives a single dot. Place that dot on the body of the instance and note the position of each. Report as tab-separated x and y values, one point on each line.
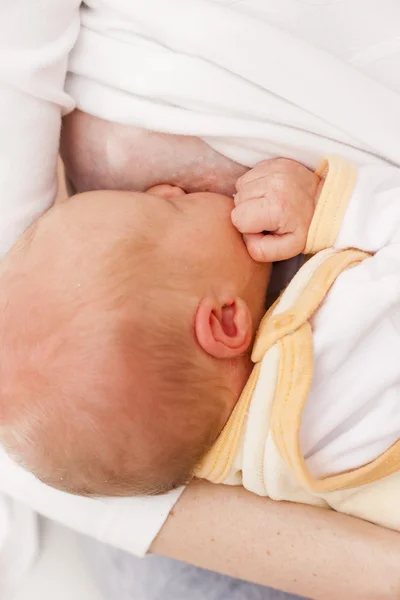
352	413
35	40
130	524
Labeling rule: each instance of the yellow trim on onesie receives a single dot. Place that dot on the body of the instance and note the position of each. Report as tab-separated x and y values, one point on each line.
340	177
217	463
296	370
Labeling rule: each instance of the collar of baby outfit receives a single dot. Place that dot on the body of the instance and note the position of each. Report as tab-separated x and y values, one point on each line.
286	327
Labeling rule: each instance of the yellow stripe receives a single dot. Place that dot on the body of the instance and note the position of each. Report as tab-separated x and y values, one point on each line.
275	327
340	178
218	462
292	390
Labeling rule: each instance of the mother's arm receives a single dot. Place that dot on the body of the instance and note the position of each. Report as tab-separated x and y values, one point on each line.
296	548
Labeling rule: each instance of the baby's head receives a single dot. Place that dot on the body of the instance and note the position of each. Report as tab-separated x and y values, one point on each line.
125	324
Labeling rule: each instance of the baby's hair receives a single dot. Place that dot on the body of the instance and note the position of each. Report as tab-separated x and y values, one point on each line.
103	390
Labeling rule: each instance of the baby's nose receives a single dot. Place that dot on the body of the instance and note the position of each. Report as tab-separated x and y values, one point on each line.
166	191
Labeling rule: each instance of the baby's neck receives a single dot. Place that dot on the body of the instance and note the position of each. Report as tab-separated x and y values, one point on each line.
237	374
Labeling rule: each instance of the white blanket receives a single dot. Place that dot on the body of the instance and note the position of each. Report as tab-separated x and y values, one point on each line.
235	77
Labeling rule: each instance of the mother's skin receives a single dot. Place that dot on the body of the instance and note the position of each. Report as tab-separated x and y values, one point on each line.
296	548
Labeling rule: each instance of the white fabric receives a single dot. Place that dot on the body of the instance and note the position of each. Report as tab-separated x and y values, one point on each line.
353	410
18	544
255	78
127	523
35	39
244	75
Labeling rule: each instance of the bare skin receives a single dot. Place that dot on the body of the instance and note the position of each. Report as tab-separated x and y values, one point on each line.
102	155
299	549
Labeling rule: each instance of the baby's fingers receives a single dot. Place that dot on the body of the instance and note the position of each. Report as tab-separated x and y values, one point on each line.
270	247
259	188
256	216
266	168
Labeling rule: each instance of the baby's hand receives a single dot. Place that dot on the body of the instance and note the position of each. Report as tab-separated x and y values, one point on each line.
274	206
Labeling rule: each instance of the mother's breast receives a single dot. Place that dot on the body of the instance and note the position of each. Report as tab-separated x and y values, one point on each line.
99	154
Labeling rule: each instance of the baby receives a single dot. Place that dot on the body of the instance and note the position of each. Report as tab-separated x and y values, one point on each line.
142	312
130	373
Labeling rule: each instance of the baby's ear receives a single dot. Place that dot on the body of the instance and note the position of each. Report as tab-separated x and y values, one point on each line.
223	329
